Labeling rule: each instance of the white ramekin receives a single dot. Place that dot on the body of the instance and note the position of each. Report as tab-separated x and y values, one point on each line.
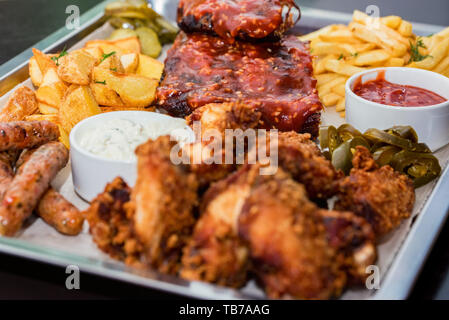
91	173
430	122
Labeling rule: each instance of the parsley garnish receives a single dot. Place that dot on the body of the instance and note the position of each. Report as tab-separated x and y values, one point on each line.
101	82
106	55
416	56
61	54
341	56
114	69
355	55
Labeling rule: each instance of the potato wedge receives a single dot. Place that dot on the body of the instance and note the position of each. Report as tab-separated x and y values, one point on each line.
131	44
43	117
112	62
64	137
35	72
78	104
46	109
95	52
134	90
149	67
76	67
43	61
130	62
21	103
112	109
106	96
371	57
105	46
52	89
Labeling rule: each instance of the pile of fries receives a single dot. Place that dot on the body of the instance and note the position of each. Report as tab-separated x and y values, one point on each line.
70	86
341	51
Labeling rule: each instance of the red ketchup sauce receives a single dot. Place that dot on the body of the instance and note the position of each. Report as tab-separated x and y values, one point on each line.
392	94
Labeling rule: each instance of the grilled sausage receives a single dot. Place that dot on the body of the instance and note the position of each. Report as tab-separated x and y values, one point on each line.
54	209
30	183
26	134
7	160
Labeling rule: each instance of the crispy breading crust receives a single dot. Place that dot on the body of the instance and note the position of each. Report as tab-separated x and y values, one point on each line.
380	195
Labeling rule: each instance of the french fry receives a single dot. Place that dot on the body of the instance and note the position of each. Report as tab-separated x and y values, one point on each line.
330	99
340	89
444	32
442	66
324	48
327	87
436	55
342	68
320	65
316	34
341	105
395	62
405	29
392	22
371	57
326	77
341	35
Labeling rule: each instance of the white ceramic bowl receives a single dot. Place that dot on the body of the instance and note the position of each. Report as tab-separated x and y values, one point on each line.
91	172
430	122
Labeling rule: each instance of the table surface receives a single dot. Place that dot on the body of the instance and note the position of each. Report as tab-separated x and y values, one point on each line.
25	22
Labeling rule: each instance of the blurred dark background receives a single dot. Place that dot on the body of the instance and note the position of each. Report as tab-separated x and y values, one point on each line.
25	22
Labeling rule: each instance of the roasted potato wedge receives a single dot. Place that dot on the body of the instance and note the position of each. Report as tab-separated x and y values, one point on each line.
43	117
52	90
64	137
46	109
134	90
149	67
21	103
130	62
79	103
106	96
131	44
35	72
95	52
105	46
43	61
112	62
112	109
76	67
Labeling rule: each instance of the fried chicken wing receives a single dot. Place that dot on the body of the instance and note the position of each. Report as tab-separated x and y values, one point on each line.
110	222
380	195
215	252
163	198
288	243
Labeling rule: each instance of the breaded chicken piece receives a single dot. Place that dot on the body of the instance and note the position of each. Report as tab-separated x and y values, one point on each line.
353	239
110	223
164	197
380	195
288	243
215	252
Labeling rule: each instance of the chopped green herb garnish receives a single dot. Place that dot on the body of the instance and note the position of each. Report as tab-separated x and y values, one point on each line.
341	56
106	55
101	82
61	54
114	69
416	56
356	54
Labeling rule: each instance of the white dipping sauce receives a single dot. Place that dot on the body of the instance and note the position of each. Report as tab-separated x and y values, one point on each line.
116	139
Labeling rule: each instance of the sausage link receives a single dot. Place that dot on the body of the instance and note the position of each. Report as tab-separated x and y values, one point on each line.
26	134
7	160
32	180
54	209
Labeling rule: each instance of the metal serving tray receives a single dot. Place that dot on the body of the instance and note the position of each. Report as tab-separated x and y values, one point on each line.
396	282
